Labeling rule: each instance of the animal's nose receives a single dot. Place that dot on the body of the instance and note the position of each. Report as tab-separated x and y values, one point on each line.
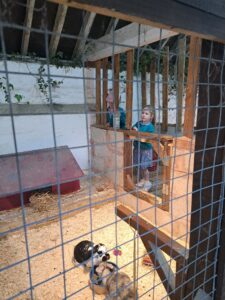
106	257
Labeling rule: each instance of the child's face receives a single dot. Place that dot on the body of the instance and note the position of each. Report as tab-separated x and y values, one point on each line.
146	116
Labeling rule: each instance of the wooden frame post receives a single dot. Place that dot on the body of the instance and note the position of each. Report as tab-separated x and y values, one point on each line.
208	173
180	80
165	89
129	89
143	86
152	82
105	89
116	82
191	89
98	92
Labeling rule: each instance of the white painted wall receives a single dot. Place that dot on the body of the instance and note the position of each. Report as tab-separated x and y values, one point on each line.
35	132
70	92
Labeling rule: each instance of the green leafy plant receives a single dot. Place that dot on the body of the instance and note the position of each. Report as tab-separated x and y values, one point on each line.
43	84
6	91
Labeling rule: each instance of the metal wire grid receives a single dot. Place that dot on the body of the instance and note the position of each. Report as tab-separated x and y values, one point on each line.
90	176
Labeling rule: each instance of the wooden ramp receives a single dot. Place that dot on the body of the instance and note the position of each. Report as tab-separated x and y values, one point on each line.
157	243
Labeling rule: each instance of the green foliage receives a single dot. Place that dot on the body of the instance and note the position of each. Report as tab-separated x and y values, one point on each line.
7	91
44	84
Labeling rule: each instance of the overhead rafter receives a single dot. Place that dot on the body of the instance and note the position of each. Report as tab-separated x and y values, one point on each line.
162	14
57	29
84	32
130	37
112	25
27	24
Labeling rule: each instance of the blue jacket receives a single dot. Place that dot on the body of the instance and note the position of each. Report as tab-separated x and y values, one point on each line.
144	128
109	118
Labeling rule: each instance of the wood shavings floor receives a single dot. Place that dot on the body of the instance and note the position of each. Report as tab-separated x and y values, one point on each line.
50	264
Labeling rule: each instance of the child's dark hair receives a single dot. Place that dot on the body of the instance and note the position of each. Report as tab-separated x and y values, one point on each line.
151	110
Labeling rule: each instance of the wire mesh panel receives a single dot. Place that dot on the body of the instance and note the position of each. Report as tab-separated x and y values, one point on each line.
111	157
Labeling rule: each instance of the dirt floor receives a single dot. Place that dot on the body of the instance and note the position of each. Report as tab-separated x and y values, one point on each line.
80	223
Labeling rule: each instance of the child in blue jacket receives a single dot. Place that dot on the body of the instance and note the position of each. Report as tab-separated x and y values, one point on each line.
143	152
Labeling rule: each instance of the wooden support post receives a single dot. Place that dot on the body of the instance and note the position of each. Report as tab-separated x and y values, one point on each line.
129	89
98	92
116	79
105	89
180	80
152	82
128	163
191	89
143	86
165	89
166	176
208	173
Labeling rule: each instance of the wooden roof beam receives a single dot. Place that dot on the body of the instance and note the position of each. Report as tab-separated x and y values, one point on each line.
84	32
27	24
127	36
57	29
162	14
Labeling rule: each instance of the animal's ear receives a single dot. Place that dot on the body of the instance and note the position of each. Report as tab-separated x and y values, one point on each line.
96	248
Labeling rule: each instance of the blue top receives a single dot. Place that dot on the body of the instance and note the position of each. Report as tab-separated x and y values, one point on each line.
109	118
144	128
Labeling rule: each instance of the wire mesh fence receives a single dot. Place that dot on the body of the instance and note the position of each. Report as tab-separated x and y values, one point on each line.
111	157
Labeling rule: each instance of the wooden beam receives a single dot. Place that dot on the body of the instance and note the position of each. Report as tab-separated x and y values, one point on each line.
180	80
143	87
116	79
129	88
57	29
171	247
208	180
152	82
205	23
105	89
192	83
127	36
27	23
156	241
84	32
112	25
98	92
165	89
128	163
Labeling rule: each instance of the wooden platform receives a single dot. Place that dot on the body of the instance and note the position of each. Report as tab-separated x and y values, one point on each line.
37	172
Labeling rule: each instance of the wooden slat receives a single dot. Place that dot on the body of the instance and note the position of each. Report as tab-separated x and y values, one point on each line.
208	172
116	83
28	23
105	89
165	89
98	92
151	136
84	32
129	88
152	82
128	164
204	23
192	83
143	87
171	247
112	25
126	38
180	79
57	29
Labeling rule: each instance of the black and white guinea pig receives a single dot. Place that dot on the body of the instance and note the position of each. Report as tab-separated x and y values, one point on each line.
90	254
